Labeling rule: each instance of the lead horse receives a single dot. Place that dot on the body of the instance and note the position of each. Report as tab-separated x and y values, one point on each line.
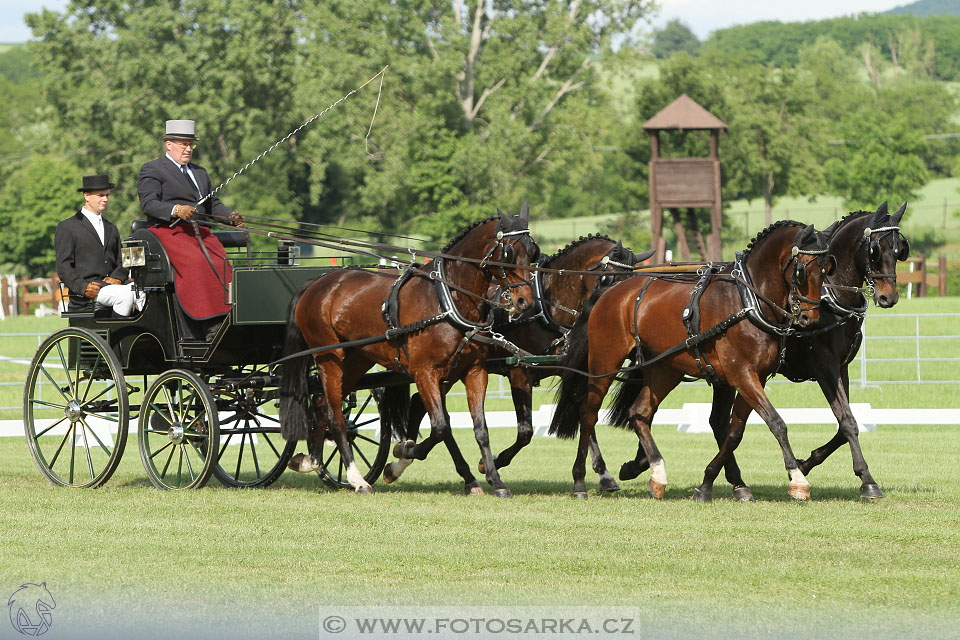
867	246
432	323
568	279
659	320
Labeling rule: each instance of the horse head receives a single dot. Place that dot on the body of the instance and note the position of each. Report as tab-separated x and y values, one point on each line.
882	247
507	260
807	266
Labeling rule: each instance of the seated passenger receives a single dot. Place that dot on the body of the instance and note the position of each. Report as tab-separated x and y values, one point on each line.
170	189
88	254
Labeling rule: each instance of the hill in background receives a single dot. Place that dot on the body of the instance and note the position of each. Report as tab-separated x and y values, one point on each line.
924	8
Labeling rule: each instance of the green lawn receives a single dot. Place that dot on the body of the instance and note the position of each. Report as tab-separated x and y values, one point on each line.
260	561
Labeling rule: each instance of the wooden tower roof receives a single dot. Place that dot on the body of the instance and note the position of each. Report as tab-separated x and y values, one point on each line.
684	114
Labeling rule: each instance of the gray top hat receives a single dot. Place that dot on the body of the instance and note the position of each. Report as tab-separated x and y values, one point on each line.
181	130
96	183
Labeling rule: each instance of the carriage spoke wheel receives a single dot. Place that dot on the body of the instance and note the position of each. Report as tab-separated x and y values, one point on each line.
75	409
252	453
178	431
370	445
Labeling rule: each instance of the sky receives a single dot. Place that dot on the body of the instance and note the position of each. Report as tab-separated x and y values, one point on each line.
702	16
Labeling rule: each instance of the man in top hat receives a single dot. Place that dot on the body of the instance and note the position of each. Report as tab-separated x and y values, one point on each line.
88	253
170	189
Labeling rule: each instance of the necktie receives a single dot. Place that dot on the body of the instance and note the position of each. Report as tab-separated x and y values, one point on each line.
183	170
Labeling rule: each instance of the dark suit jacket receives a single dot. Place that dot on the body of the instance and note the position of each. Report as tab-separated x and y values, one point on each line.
81	258
162	185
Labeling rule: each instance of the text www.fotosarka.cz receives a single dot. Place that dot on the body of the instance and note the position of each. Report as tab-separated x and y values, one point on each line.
476	622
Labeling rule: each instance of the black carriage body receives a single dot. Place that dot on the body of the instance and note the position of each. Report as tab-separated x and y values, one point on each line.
161	337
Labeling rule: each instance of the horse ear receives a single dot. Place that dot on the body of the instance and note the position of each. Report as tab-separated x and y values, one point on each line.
899	214
805	236
525	212
882	209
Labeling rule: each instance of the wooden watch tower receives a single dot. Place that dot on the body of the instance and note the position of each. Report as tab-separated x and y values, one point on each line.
685	183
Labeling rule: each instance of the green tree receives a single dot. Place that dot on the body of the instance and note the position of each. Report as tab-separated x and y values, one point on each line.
34	199
674	36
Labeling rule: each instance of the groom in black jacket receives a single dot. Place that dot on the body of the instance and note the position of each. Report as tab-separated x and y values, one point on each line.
88	254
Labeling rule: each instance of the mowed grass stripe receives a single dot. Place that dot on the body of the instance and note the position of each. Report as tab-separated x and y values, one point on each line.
833	565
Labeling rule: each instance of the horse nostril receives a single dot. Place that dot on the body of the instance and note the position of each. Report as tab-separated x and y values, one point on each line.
522	303
883	301
804	320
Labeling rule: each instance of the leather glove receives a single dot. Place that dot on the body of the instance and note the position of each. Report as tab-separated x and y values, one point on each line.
110	280
92	289
236	219
184	211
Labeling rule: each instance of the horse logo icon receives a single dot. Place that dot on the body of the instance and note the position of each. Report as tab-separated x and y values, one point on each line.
30	609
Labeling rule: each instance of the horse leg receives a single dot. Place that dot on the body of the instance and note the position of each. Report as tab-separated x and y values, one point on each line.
393	470
751	389
331	377
589	411
723	396
633	468
734	425
521	391
659	384
607	482
835	383
475	383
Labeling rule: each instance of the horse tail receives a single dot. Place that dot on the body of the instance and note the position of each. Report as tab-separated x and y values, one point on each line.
624	396
295	422
395	409
572	392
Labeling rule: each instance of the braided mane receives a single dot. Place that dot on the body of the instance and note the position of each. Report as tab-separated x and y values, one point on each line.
576	243
765	232
464	232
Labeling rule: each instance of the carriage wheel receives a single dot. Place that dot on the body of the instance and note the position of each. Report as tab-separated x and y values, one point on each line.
178	424
252	451
75	409
370	444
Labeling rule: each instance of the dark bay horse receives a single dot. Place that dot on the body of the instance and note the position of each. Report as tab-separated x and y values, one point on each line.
681	326
438	316
867	246
558	298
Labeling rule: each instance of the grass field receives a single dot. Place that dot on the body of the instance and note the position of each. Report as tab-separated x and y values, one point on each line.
130	559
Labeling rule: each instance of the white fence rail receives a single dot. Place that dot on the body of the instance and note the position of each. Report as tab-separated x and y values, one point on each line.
898	349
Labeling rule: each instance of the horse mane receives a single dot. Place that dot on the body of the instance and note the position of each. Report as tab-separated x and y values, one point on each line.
765	232
464	232
576	243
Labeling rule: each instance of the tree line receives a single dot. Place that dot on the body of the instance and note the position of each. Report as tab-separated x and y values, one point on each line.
486	103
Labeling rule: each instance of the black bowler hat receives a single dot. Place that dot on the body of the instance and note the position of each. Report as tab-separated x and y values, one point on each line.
96	183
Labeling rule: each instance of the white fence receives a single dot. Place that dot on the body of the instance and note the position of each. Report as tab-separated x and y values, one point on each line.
898	349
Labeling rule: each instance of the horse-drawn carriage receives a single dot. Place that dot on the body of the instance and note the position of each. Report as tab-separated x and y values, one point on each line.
201	404
216	404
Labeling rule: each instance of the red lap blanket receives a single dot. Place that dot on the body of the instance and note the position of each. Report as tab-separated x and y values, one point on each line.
199	288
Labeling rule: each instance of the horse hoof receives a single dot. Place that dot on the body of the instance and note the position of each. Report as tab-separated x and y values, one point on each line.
301	463
364	489
870	492
473	489
742	494
629	470
607	483
400	447
579	495
703	496
657	489
799	491
502	493
388	476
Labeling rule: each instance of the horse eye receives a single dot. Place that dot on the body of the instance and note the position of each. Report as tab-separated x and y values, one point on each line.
830	267
508	253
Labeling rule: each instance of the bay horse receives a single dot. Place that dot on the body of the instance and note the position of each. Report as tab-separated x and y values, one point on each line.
692	325
431	324
867	246
542	330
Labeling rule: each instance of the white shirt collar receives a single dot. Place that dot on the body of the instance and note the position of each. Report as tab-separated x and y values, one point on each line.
175	162
94	218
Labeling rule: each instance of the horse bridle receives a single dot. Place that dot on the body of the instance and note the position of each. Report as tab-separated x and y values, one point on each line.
508	255
875	253
795	300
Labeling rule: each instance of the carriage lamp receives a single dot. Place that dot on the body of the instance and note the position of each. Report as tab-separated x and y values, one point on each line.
133	253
